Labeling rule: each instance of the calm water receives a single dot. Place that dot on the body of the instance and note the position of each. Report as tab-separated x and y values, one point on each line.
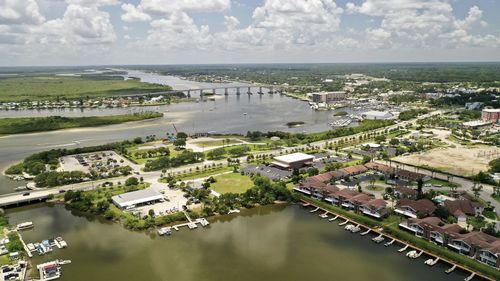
268	243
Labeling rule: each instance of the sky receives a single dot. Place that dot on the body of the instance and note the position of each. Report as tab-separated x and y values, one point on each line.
120	32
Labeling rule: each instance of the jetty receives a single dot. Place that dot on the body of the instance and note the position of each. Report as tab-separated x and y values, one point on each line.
191	224
468	278
403	249
26	249
334	218
378	239
366	232
312	211
345	222
324	215
449	270
389	243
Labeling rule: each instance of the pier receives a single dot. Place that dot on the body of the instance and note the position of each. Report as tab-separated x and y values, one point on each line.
26	249
334	218
422	251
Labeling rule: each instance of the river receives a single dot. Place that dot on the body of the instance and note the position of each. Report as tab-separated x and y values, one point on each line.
265	243
225	114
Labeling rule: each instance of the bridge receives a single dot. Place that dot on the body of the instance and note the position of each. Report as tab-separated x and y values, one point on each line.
238	90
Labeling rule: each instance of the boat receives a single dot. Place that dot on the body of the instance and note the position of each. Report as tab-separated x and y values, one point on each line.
349	227
24	225
355	229
203	222
62	262
20	188
60	243
429	262
412	254
323	216
192	225
341	122
233	211
165	231
378	239
49	270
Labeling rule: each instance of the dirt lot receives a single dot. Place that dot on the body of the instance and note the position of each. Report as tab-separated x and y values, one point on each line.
459	160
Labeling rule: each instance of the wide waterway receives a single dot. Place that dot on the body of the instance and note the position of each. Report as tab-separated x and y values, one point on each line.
231	114
266	243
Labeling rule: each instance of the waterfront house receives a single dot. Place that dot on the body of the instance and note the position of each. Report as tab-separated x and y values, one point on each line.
431	228
413	209
354	202
376	208
481	246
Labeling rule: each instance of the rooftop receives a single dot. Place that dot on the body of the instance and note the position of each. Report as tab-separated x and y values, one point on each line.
137	197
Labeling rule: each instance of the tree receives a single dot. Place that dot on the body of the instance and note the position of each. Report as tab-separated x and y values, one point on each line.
182	135
131	181
151	213
394	141
420	185
494	165
180	143
312	171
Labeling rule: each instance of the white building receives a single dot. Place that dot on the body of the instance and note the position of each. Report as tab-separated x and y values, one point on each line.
293	161
377	115
137	198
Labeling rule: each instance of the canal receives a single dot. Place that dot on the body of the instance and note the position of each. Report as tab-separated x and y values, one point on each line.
265	243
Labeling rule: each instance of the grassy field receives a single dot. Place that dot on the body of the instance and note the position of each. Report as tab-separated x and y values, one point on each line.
50	87
233	182
40	124
212	143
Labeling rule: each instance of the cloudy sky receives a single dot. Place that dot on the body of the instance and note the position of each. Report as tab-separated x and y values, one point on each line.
84	32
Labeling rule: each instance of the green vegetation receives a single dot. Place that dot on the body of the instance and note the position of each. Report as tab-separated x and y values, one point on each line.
40	124
232	182
52	87
494	165
14	244
98	202
412	113
212	143
165	162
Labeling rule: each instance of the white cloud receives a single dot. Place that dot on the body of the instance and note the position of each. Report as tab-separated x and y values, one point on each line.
79	26
97	3
133	14
419	23
20	12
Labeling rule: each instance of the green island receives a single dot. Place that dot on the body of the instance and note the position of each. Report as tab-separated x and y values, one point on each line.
52	87
41	124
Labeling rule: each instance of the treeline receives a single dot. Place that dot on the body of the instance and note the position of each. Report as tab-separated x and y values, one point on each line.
296	138
264	192
412	113
488	99
40	124
165	162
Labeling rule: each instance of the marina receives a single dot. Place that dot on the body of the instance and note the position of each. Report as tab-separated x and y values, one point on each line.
231	239
415	253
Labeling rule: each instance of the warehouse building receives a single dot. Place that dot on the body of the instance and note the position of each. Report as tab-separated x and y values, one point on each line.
137	198
293	161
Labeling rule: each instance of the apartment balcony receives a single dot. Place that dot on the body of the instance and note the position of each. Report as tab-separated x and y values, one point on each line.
305	191
406	213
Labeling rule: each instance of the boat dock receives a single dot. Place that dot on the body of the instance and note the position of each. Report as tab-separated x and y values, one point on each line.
334	218
422	251
26	249
191	224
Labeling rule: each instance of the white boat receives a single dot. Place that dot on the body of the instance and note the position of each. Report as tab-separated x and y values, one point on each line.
355	229
24	225
20	188
165	231
192	226
349	227
429	262
60	243
412	254
62	262
323	216
378	239
233	211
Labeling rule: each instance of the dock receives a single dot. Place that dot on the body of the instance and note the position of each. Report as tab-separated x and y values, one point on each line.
450	270
431	262
26	249
191	224
403	249
366	232
312	211
324	215
334	218
389	243
345	222
468	278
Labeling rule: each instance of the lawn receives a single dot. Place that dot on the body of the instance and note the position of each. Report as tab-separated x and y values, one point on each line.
233	182
437	182
212	143
50	87
136	153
